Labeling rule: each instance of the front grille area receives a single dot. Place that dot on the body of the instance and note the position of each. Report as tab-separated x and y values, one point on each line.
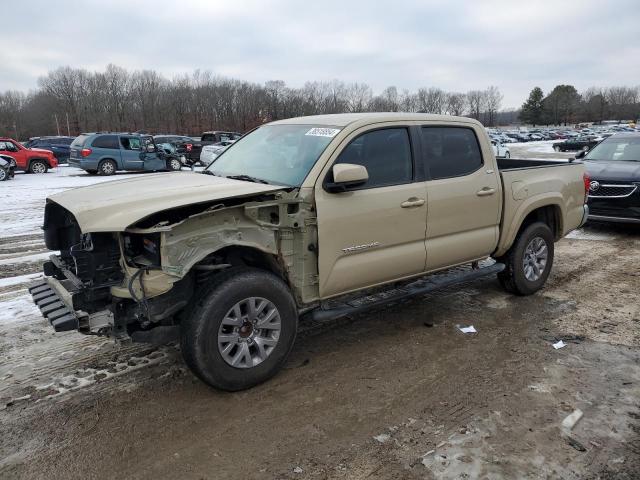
612	189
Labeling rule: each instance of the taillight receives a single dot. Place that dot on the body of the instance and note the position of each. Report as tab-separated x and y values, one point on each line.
587	184
85	152
189	147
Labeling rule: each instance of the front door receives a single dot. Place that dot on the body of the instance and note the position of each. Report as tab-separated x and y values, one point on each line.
464	197
373	233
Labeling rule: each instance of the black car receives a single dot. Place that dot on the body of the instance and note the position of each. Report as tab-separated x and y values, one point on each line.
60	146
614	168
585	143
7	167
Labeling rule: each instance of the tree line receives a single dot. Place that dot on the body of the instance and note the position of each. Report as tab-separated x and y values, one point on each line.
74	100
564	105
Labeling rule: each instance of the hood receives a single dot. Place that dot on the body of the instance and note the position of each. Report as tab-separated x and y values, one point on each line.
41	150
112	206
613	171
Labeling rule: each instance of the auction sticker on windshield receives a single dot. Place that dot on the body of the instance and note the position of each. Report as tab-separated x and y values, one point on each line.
323	132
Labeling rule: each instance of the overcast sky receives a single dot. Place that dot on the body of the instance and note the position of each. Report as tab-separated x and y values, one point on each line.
454	45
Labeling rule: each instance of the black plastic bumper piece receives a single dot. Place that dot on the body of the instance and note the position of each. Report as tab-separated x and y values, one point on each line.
53	308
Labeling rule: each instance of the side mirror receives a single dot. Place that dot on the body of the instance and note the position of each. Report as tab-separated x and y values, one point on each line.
346	175
151	148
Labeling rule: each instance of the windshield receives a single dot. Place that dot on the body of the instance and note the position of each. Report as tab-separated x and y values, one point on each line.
616	149
278	154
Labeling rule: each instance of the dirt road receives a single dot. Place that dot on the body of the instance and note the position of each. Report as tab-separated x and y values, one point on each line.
395	393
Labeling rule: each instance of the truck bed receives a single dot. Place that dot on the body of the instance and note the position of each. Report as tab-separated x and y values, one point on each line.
528	184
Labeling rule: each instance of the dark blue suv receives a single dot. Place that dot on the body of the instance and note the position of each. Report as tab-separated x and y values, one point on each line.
105	153
60	146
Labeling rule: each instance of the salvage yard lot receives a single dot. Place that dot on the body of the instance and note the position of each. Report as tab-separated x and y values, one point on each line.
397	392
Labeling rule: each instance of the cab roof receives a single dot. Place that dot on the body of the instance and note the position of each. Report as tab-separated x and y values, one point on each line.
344	119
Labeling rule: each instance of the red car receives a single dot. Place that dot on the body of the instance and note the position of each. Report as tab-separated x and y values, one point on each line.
32	160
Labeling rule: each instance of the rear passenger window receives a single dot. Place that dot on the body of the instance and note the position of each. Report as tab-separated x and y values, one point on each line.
450	151
106	141
385	153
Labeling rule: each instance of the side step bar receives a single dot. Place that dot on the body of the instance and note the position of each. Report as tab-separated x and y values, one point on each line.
419	287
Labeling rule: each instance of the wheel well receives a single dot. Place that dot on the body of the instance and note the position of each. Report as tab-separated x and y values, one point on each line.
549	215
238	256
102	160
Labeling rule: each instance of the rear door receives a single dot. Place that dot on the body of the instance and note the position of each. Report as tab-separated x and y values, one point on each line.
373	233
464	196
131	152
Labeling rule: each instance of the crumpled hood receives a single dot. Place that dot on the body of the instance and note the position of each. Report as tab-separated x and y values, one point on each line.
112	206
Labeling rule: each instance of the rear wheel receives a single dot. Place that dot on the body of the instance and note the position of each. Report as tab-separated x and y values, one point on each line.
528	262
107	167
38	166
241	329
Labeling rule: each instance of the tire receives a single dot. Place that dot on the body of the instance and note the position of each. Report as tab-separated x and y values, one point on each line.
38	166
174	164
516	278
4	174
208	329
107	167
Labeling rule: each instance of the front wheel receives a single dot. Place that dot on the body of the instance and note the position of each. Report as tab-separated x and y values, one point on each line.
529	260
38	166
241	329
174	164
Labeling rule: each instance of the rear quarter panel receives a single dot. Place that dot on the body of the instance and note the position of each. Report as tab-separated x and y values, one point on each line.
528	189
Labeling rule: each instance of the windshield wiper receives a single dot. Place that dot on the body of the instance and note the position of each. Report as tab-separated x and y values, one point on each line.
209	172
247	178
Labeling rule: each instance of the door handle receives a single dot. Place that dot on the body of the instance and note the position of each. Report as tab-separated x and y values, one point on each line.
412	202
485	192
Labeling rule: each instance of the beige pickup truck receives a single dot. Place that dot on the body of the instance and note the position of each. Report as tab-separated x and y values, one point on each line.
312	217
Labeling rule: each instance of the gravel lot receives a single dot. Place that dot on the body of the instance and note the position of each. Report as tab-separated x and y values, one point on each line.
396	393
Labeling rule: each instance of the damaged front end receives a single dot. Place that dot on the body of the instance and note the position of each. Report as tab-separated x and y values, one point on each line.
136	283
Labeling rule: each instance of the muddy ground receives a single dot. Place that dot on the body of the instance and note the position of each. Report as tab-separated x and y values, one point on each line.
396	393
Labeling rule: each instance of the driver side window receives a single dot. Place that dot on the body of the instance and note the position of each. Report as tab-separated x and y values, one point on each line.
386	154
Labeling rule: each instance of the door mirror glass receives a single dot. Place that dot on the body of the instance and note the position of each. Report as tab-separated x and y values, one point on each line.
347	175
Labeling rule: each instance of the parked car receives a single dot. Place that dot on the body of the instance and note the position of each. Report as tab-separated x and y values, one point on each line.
105	153
298	218
574	144
211	138
31	160
59	146
499	150
7	167
182	144
614	168
210	152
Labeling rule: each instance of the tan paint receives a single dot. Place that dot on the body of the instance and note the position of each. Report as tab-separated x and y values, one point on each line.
364	238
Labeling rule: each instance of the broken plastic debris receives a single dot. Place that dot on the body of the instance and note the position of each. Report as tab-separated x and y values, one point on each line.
383	437
559	344
468	329
570	420
297	470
